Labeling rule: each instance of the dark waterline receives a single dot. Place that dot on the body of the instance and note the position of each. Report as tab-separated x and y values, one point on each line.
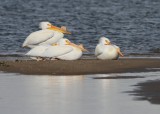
131	24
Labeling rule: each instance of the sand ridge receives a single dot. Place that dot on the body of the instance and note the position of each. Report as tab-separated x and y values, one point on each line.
78	67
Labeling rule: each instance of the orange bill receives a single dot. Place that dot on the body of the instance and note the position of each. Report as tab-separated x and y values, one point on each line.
78	46
59	29
119	52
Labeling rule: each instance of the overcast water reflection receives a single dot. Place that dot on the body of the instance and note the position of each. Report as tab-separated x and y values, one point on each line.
21	94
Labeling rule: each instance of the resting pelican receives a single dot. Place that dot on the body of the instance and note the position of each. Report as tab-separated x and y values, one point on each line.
105	50
41	52
48	35
66	50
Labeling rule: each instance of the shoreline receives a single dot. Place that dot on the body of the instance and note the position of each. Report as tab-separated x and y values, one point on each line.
78	67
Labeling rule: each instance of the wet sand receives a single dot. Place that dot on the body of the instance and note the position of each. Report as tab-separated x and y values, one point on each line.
78	67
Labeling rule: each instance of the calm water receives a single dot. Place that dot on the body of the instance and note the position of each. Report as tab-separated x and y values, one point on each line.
21	94
134	25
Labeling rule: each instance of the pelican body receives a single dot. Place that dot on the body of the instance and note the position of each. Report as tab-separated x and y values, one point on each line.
74	54
70	50
37	51
105	50
48	35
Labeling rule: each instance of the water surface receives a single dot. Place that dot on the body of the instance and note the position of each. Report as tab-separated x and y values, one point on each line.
131	24
72	94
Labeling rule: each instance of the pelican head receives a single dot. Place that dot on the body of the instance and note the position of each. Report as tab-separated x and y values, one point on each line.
48	25
65	41
45	25
104	41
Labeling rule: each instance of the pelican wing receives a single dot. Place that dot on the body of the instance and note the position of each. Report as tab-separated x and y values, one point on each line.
98	50
54	51
57	36
37	51
38	37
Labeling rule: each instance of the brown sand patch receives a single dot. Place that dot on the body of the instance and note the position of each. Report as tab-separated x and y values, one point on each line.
78	67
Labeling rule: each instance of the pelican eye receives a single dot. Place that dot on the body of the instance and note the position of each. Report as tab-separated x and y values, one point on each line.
67	41
49	24
107	41
55	44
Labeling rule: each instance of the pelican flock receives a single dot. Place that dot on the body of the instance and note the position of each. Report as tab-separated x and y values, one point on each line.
49	43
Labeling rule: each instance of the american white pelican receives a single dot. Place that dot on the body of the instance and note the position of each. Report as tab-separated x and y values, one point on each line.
66	50
38	52
105	50
48	35
41	52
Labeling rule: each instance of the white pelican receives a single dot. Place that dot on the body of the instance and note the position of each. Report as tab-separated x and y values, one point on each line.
41	52
38	52
48	35
105	50
66	50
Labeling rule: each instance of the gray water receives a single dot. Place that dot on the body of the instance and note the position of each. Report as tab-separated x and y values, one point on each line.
23	94
134	25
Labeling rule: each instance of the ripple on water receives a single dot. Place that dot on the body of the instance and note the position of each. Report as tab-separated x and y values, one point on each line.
132	25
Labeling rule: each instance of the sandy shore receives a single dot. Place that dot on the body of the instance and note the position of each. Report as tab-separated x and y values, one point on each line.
78	67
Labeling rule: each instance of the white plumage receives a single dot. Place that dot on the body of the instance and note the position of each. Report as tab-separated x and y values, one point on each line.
105	50
70	50
55	51
37	51
64	50
48	35
75	54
